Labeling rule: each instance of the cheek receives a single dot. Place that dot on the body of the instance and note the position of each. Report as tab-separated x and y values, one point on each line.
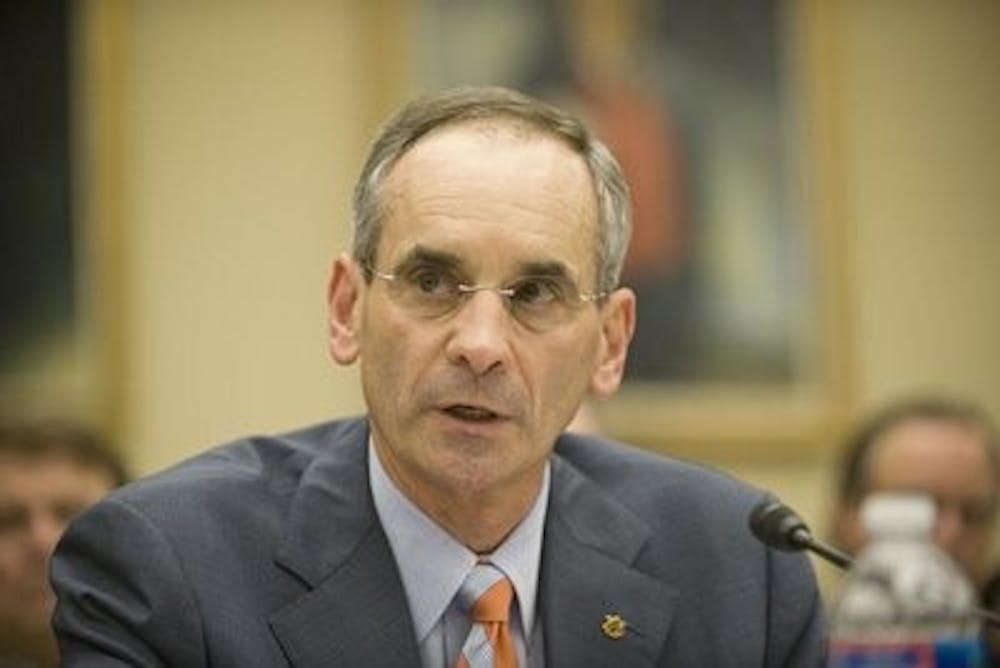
977	539
381	361
563	370
13	561
392	352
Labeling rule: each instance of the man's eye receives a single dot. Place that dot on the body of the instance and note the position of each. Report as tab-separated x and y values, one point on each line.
976	515
12	519
67	510
536	291
432	282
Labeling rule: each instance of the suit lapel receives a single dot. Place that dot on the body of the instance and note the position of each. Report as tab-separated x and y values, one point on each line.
354	610
358	616
587	581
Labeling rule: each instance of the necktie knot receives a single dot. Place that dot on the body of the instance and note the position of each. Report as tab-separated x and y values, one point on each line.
486	596
494	604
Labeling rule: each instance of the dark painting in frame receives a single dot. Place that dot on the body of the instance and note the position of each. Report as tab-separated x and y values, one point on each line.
719	111
61	335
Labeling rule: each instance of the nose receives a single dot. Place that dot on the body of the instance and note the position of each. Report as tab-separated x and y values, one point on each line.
45	533
948	527
481	333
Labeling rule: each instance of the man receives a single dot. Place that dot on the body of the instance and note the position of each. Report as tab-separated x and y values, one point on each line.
48	473
456	521
945	448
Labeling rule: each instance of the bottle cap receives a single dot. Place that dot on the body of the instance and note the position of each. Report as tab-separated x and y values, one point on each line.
898	514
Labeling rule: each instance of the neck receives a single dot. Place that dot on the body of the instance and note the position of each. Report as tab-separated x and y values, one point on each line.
478	515
482	520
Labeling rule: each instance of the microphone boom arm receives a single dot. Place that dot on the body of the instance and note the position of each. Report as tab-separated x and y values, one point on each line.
778	526
806	540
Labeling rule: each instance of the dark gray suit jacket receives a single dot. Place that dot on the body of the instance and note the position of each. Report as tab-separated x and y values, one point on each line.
268	552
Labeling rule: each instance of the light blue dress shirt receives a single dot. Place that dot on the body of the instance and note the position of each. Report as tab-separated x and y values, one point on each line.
433	566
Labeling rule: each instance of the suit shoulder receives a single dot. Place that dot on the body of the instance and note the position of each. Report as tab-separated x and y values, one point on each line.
662	490
615	465
253	466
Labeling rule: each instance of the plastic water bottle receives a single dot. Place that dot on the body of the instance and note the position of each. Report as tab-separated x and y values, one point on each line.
904	602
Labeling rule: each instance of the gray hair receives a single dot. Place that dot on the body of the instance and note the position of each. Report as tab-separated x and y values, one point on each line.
426	114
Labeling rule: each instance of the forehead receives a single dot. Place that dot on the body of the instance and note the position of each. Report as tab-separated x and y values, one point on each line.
493	191
944	457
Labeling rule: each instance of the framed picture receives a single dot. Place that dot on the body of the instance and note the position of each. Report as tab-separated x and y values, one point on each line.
58	245
716	110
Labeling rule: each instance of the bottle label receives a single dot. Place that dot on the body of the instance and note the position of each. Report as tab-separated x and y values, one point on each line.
940	653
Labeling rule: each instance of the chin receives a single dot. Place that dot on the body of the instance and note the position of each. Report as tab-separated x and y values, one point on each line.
472	465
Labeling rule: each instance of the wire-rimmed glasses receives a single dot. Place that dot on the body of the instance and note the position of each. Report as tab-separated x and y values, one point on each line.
536	301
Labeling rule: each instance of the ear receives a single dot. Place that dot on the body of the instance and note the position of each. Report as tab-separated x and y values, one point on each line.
343	299
617	328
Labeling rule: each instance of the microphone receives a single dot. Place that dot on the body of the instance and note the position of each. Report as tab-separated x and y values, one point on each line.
777	525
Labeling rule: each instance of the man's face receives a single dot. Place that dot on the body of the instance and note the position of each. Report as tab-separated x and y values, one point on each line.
472	401
38	497
948	461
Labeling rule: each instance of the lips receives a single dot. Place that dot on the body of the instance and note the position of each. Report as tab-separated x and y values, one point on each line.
472	413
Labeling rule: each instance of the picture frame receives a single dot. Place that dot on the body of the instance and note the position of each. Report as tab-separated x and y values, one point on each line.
742	345
66	365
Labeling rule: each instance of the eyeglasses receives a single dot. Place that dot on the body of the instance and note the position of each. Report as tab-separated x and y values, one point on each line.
974	513
537	302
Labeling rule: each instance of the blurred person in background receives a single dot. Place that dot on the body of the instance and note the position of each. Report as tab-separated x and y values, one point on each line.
49	473
945	448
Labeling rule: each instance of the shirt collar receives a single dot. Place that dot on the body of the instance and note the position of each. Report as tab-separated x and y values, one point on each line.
433	564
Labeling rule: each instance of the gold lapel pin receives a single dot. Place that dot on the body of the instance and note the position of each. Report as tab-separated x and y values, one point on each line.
614	627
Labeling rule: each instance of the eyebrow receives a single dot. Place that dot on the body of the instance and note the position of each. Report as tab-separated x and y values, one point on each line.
422	255
546	269
419	255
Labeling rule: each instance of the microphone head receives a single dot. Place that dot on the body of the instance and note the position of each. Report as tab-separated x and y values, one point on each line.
777	525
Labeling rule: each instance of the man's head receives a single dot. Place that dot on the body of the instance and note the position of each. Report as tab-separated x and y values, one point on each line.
946	449
482	296
494	107
48	474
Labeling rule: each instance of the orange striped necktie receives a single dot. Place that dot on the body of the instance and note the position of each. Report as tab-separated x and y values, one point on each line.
486	595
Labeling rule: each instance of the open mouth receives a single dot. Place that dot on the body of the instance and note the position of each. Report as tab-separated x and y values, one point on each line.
471	413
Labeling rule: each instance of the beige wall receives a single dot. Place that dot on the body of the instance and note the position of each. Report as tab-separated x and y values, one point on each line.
918	103
243	139
922	141
245	124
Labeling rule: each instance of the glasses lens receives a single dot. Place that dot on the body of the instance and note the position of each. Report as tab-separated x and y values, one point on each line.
427	292
537	302
543	301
